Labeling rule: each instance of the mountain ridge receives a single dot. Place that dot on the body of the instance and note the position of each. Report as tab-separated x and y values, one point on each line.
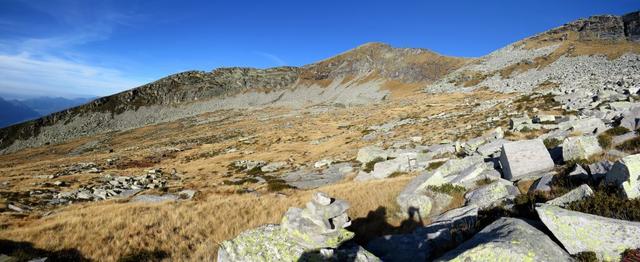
357	76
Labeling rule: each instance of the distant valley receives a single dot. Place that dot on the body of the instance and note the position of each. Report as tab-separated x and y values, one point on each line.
14	111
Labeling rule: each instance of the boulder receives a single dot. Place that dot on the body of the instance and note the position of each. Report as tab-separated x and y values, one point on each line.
631	118
323	163
580	148
491	147
508	239
625	174
578	174
544	119
370	153
576	194
403	162
309	179
525	158
272	167
543	183
584	126
580	232
154	198
473	144
599	170
491	195
517	123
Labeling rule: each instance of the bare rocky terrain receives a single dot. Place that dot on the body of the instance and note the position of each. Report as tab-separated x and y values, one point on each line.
530	153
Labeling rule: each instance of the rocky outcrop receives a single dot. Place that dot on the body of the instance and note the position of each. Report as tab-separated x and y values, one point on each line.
312	233
508	239
580	232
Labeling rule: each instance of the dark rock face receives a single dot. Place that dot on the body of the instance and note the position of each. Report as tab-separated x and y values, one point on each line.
605	27
632	26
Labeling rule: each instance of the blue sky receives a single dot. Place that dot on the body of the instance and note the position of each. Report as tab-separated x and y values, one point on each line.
90	47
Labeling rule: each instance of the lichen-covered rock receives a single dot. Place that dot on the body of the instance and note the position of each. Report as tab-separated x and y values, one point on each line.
265	243
580	232
580	148
525	158
491	195
625	174
508	239
576	194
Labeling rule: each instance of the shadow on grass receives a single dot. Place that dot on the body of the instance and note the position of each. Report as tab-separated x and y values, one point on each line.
25	251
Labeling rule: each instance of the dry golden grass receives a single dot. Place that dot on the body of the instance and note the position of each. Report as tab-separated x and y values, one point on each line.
188	230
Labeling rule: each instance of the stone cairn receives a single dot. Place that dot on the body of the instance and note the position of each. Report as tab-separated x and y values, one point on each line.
320	224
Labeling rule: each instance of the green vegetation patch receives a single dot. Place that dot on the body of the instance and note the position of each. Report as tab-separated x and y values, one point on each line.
630	146
435	165
609	204
550	143
448	189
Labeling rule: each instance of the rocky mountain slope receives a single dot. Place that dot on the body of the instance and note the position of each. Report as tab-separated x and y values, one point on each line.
363	75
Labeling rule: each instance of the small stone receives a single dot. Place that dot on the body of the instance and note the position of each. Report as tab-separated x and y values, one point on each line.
322	198
323	163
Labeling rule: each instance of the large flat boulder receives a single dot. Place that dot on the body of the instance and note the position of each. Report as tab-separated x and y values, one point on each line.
580	148
525	158
508	239
625	174
580	232
584	126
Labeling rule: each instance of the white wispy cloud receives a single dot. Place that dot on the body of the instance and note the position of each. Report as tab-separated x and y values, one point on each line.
274	58
28	75
51	65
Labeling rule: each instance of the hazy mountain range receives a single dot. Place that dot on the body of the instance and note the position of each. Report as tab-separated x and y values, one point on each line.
16	111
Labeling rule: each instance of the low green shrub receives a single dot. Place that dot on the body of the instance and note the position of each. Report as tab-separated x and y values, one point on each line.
631	146
608	203
435	165
368	167
586	256
618	130
550	143
605	140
